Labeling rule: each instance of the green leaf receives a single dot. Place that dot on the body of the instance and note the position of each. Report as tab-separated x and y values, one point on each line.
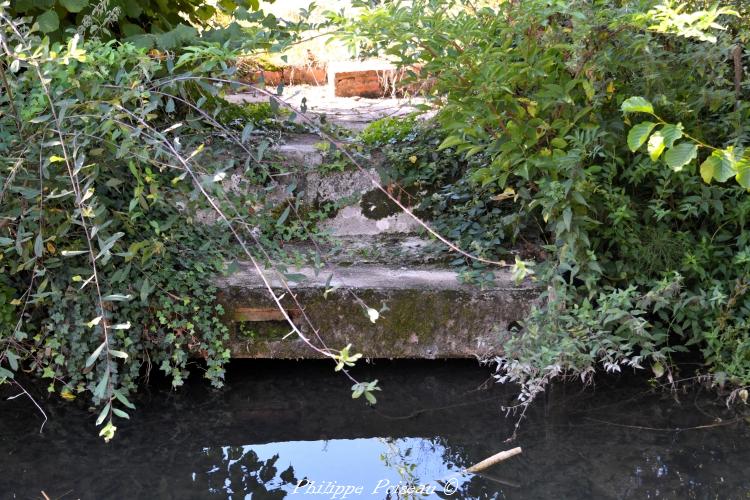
680	155
638	134
671	133
120	413
656	145
559	143
95	354
48	22
101	388
74	5
658	369
103	414
637	105
115	297
450	142
743	171
122	399
5	373
283	216
38	246
12	360
710	169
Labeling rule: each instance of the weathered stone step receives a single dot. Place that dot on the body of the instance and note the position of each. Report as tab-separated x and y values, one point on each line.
353	113
425	312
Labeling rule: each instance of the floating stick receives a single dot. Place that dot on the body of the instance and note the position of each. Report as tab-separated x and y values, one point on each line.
494	459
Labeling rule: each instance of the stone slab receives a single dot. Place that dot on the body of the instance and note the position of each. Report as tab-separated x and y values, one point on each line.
425	312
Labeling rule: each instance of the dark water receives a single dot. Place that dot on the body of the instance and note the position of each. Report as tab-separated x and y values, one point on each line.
277	424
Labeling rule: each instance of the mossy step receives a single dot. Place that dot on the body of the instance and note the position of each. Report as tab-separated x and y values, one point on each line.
425	312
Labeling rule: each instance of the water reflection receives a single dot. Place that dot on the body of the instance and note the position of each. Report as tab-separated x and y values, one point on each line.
292	431
404	468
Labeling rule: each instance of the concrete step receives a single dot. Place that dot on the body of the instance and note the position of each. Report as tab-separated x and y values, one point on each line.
352	113
425	312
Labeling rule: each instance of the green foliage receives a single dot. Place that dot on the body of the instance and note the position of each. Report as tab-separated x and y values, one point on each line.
105	271
534	145
720	164
163	24
388	130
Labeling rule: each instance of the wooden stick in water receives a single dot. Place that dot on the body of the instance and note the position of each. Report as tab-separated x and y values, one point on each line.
494	459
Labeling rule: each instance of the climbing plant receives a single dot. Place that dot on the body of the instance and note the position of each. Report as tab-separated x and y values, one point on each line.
538	140
115	218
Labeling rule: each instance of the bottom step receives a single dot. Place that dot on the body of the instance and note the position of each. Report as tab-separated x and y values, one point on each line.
424	312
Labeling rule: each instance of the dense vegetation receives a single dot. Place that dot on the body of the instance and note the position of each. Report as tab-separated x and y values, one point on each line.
608	134
599	145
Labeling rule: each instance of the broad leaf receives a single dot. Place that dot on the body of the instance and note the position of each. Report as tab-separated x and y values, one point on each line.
450	142
671	133
638	134
656	145
636	105
48	22
680	155
74	5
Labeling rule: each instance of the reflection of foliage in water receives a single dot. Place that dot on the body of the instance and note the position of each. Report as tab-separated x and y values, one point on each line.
238	472
406	455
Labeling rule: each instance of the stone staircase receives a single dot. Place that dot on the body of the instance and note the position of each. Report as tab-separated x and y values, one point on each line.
382	261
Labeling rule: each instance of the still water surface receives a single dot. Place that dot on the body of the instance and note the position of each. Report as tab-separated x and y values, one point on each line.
291	430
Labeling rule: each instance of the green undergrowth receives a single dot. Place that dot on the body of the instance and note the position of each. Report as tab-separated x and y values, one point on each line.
600	148
127	185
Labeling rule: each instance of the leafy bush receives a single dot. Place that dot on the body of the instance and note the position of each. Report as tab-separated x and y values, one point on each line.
162	24
390	129
101	276
645	259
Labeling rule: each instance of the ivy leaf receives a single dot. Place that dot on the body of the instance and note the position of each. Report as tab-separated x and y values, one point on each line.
656	145
5	373
12	360
680	155
638	134
48	22
636	105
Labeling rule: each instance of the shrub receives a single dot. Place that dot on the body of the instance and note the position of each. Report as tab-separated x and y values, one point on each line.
538	106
